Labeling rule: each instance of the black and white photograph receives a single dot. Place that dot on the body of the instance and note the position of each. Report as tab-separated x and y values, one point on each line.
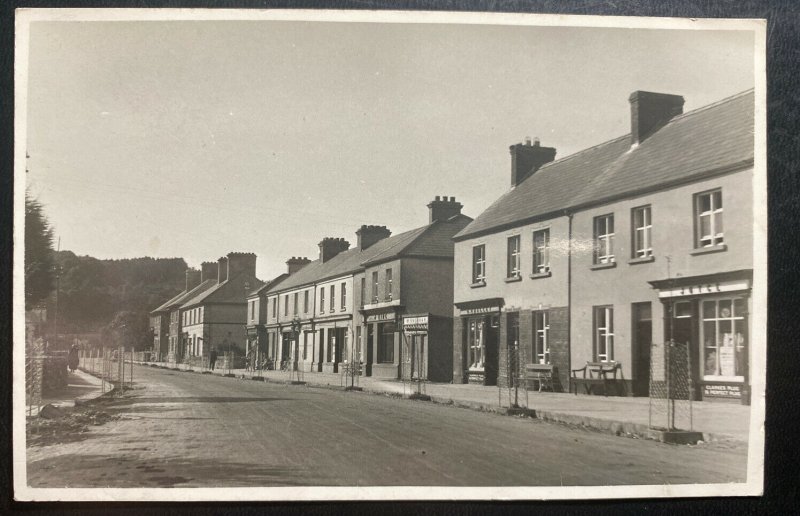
294	255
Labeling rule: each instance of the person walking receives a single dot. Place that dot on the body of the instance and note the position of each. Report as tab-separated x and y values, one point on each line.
212	358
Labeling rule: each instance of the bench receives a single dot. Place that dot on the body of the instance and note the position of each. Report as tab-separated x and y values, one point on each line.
595	374
541	374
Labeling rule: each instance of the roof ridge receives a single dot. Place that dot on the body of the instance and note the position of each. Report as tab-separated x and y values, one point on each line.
407	244
712	105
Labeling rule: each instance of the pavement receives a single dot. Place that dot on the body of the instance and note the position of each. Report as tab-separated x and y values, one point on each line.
81	387
178	429
717	421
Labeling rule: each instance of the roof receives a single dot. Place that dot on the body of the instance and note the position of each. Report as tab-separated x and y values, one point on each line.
183	296
229	291
434	239
267	284
699	142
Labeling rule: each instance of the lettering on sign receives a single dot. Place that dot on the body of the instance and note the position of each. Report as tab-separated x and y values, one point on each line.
408	321
484	310
723	391
705	288
389	316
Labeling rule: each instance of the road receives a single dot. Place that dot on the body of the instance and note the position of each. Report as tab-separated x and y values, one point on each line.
187	429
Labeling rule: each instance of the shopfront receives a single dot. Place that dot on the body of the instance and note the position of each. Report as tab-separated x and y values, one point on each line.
480	322
712	314
384	337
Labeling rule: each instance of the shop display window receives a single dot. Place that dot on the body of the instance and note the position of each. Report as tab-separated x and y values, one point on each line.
724	336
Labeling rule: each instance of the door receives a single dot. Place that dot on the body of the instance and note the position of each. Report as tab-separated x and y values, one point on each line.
370	349
642	332
491	336
683	328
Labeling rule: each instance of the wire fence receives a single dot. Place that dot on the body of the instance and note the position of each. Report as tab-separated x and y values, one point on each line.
414	371
34	373
514	394
671	388
114	366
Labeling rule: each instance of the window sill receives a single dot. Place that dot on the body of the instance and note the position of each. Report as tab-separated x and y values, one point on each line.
708	250
478	284
540	275
600	266
512	279
643	259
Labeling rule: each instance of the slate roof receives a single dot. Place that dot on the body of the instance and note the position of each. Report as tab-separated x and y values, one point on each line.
267	284
220	292
699	142
183	296
431	240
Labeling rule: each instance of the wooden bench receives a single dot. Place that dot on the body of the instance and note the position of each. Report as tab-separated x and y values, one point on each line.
541	374
594	374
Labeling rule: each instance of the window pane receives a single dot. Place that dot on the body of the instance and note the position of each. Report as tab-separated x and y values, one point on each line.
705	226
710	356
709	309
739	307
718	223
704	203
725	308
717	199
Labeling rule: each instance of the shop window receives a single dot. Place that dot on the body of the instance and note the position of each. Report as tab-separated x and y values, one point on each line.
322	300
708	219
541	336
541	251
386	343
724	337
476	346
513	254
604	239
344	296
603	333
641	219
479	264
388	284
375	287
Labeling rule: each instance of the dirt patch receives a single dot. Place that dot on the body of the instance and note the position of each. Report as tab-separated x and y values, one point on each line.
74	426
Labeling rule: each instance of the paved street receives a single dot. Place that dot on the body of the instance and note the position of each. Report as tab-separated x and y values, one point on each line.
187	429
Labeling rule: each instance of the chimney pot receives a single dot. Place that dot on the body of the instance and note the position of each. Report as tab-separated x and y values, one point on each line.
528	141
443	209
330	247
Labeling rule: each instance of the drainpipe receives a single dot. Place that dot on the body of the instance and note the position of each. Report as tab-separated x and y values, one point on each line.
569	298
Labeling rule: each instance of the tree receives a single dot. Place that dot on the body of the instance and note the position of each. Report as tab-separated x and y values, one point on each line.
38	254
129	329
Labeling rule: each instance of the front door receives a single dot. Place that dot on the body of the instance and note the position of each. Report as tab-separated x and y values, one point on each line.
682	328
370	349
491	336
642	344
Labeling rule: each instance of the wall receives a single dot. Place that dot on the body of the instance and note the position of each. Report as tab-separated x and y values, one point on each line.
427	286
673	237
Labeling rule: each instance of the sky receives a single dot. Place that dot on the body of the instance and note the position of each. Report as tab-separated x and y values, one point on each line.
197	138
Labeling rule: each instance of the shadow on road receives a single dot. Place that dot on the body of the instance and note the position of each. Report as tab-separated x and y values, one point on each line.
132	470
197	399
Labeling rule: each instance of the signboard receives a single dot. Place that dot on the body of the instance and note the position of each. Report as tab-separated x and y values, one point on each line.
415	324
387	316
722	391
705	288
482	310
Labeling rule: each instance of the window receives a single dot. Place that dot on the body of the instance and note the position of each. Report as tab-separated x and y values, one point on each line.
375	287
305	343
604	333
479	264
388	284
305	302
322	300
363	291
541	329
274	307
252	310
475	344
386	343
724	339
512	266
333	298
294	304
642	222
541	251
201	314
286	304
604	239
708	209
344	296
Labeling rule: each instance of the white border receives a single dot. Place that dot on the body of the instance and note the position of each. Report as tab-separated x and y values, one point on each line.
755	469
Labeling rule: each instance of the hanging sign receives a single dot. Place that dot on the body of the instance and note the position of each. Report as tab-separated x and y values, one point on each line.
416	323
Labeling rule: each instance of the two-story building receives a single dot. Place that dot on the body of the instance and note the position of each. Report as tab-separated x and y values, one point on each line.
607	254
216	317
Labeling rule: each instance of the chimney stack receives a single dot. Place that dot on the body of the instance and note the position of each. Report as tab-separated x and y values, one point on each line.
651	111
208	270
241	263
330	247
527	158
192	279
368	235
222	269
443	208
295	263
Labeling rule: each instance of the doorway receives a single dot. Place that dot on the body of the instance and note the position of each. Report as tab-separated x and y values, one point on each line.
642	332
492	350
370	348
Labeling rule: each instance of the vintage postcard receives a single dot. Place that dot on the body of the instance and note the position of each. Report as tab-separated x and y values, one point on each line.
351	255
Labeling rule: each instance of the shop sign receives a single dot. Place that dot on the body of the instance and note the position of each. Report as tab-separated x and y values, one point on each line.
418	323
482	310
722	391
387	316
705	288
